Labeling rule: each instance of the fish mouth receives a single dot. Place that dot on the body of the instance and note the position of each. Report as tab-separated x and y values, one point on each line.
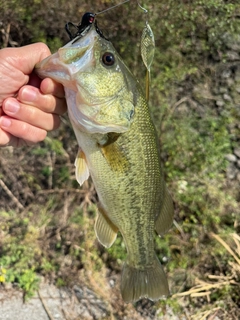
50	67
74	57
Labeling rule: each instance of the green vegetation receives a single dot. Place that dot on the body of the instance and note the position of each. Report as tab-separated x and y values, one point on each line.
47	221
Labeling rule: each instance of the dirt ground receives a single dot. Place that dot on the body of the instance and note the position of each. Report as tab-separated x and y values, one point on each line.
52	303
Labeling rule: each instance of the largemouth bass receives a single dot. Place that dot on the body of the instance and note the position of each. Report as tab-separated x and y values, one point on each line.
119	148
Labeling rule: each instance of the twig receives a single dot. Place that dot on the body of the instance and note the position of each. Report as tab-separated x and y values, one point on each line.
179	228
50	177
11	195
207	313
202	288
81	191
214	277
174	107
6	34
212	317
45	307
226	246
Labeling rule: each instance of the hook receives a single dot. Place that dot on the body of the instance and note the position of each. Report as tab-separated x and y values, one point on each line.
145	10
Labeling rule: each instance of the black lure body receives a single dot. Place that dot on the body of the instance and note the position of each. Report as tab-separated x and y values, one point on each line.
82	28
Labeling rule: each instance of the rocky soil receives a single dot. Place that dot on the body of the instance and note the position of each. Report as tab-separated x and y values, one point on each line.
220	91
78	303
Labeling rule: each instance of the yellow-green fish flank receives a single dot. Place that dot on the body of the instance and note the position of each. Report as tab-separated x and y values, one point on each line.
118	147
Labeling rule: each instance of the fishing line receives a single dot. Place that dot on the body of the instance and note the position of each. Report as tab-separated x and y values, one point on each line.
117	5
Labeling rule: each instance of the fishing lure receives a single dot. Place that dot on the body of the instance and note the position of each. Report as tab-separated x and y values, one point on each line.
147	49
147	38
83	27
147	53
87	20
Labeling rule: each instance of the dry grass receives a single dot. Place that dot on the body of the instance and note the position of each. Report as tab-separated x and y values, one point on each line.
204	289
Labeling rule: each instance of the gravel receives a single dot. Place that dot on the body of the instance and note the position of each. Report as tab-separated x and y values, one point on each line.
80	303
51	303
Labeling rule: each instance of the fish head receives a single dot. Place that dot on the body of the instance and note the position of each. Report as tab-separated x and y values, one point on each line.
100	90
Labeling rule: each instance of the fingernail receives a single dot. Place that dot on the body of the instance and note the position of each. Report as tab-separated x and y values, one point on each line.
5	122
28	94
11	106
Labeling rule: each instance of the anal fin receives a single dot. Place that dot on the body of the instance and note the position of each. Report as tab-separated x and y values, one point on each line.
164	220
105	230
81	171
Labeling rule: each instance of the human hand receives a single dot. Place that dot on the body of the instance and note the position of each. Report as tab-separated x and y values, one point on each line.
29	106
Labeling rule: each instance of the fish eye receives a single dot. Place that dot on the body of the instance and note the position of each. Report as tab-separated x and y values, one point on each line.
108	59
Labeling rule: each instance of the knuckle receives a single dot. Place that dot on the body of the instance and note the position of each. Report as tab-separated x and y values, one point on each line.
31	114
56	122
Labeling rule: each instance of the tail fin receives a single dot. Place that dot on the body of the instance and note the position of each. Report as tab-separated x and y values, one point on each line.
150	282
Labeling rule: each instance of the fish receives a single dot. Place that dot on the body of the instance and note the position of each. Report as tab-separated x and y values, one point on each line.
119	149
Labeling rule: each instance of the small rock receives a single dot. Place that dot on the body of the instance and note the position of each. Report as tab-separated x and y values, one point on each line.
112	283
232	56
226	74
237	76
227	97
232	41
223	90
237	152
231	157
238	89
232	171
220	103
88	298
230	82
165	259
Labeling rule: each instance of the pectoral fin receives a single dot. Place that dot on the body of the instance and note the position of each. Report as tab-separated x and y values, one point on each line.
114	154
81	171
165	218
105	230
